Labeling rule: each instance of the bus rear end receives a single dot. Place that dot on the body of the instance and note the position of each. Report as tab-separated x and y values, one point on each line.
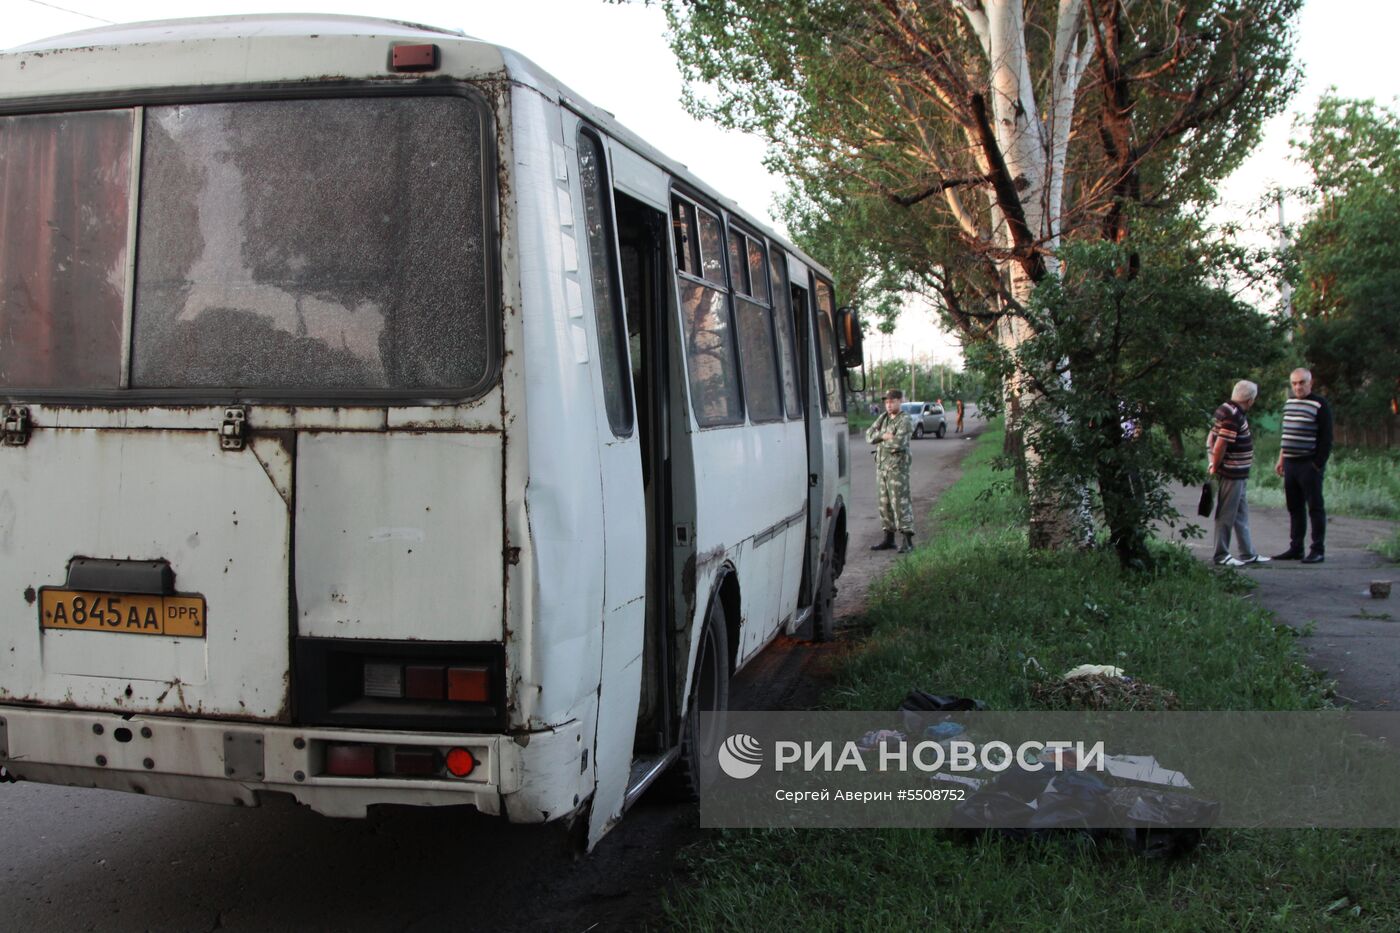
254	505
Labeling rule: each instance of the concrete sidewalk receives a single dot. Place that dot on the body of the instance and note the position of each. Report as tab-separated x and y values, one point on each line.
1356	639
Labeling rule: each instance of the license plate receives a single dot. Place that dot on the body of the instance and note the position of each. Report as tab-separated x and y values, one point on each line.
127	613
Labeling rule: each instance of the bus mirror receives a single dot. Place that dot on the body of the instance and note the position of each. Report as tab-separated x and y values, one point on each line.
848	336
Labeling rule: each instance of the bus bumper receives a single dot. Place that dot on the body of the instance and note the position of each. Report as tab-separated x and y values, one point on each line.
532	777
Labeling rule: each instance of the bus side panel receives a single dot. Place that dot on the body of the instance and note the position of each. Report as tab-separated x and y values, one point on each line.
744	483
776	490
560	673
624	552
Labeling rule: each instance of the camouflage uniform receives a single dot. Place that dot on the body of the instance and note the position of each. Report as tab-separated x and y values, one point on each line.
892	470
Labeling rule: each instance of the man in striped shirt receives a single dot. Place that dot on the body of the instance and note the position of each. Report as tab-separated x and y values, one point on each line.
1231	448
1305	445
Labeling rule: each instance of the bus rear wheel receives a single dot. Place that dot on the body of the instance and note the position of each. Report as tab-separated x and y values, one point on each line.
709	693
824	608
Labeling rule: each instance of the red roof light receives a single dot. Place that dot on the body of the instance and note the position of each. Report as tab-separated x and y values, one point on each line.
414	58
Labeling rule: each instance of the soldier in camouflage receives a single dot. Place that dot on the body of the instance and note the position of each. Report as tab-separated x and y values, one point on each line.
890	433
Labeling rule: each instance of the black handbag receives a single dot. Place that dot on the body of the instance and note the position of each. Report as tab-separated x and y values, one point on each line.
1207	499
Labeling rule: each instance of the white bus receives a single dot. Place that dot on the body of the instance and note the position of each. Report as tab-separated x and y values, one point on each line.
384	424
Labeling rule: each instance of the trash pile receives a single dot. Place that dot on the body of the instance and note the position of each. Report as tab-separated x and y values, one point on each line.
1146	801
1098	686
1139	796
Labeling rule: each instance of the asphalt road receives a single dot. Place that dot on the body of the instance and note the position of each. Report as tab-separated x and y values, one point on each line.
1347	635
81	859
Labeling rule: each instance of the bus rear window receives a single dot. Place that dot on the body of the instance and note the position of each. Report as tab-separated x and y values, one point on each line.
283	246
312	245
65	190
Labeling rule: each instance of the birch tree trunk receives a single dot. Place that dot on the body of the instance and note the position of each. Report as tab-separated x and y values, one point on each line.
1034	151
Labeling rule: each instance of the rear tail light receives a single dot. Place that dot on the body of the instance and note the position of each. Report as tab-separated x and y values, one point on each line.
457	683
345	759
350	760
383	680
423	682
460	762
469	684
413	686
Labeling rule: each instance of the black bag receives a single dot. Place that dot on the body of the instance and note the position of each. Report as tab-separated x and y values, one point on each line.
1207	499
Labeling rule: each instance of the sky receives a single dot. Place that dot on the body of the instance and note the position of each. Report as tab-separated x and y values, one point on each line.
616	56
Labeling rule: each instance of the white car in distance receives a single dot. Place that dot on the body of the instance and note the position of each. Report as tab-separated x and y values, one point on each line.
928	418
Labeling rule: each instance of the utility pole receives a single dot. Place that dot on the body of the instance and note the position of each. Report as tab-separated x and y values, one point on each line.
913	376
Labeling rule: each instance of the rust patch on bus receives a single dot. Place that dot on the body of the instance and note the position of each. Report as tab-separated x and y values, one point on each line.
688	581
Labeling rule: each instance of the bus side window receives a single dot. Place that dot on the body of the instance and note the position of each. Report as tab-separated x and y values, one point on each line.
711	248
757	354
738	265
709	335
607	297
826	336
758	270
787	343
683	226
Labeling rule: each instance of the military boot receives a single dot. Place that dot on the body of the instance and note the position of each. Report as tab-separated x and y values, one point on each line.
885	545
908	544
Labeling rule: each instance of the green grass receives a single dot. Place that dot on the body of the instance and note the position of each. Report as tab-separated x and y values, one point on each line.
1388	548
977	614
859	418
898	880
1361	482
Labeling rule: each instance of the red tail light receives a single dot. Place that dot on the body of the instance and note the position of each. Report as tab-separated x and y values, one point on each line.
460	762
461	683
350	760
423	682
469	684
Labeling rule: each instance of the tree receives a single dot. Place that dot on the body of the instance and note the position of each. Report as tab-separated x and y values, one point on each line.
952	144
1347	263
1152	355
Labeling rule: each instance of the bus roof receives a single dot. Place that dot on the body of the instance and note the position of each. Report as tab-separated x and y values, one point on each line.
226	51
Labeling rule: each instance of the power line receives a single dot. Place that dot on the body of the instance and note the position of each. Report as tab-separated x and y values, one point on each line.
64	9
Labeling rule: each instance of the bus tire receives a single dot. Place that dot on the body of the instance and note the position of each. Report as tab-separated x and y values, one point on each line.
709	693
824	608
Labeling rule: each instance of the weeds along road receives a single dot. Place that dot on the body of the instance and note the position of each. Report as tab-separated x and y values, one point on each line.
80	859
